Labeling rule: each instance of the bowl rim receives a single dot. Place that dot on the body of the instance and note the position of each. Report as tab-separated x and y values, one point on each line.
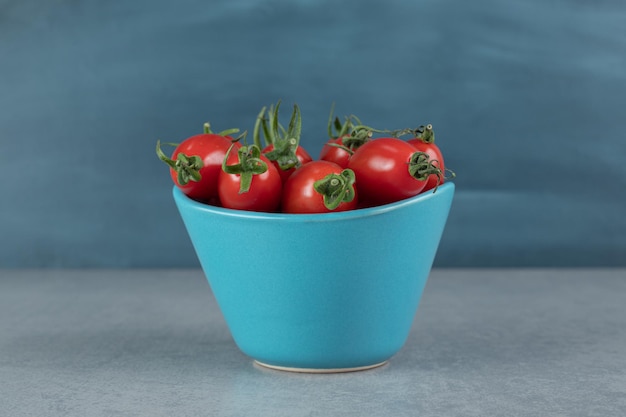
180	197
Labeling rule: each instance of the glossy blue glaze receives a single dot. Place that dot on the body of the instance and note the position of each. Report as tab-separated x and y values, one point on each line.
319	291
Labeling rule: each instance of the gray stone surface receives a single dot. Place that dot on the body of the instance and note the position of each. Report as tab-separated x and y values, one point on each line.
153	343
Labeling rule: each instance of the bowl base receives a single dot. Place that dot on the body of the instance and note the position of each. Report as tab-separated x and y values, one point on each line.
320	370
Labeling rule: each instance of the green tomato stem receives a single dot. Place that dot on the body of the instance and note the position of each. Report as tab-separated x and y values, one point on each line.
330	122
336	188
187	167
249	164
425	133
285	141
227	132
421	167
256	133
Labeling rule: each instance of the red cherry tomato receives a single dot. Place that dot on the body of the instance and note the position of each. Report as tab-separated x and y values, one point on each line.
301	154
388	170
264	189
336	154
319	187
196	163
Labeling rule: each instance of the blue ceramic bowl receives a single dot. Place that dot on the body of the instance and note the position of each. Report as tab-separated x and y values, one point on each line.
319	292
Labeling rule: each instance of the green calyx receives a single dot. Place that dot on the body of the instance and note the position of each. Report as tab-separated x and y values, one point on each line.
352	131
420	167
425	133
249	164
352	142
187	167
360	135
336	188
285	141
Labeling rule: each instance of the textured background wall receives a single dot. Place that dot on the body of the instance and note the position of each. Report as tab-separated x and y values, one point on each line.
527	99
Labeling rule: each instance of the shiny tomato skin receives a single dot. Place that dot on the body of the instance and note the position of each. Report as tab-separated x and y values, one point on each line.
436	157
302	155
299	196
382	174
211	148
335	154
264	193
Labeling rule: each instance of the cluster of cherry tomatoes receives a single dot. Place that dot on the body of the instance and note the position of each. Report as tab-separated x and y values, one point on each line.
355	169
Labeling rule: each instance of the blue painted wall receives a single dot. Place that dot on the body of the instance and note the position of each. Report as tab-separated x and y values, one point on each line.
528	100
